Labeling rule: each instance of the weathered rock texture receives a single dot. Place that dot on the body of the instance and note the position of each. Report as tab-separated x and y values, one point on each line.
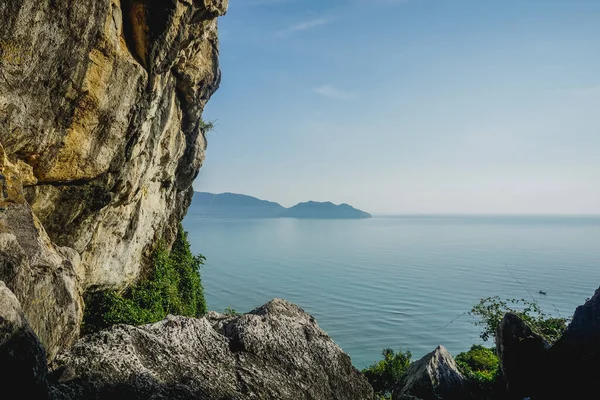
100	138
522	355
274	352
433	377
22	357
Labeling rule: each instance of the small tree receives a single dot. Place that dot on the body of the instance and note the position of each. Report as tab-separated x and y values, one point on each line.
385	374
490	311
231	312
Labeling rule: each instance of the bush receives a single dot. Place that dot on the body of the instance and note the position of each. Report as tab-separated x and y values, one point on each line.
205	126
173	287
231	312
385	374
491	310
479	364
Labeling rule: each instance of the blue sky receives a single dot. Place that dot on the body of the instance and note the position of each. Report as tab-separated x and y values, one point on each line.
410	106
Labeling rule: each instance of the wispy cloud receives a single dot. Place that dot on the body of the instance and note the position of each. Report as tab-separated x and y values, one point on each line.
304	26
332	92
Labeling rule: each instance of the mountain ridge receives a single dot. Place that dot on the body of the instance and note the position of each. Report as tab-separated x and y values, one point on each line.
229	204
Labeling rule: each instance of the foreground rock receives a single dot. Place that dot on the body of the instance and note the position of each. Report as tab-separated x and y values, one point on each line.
573	365
433	377
522	355
42	276
22	357
101	136
274	352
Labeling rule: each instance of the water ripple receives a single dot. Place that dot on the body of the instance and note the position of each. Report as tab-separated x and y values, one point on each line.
397	282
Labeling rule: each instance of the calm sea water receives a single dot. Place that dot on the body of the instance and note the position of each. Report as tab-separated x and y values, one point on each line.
397	281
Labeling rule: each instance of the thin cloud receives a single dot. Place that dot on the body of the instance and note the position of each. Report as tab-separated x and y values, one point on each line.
590	91
304	26
334	93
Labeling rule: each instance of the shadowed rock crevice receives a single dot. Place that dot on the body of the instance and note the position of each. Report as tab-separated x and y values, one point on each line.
144	22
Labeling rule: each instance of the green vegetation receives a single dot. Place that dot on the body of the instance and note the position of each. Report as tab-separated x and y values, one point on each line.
173	287
491	310
386	373
205	126
231	312
479	364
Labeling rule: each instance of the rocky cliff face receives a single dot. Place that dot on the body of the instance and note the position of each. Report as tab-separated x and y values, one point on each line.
101	137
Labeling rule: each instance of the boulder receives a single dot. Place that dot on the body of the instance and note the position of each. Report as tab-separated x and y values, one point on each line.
433	377
522	355
22	357
573	367
274	352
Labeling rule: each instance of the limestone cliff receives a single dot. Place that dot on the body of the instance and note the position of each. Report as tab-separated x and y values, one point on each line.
101	136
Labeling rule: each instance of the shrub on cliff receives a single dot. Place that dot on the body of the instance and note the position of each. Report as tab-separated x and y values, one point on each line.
173	287
386	373
479	364
491	310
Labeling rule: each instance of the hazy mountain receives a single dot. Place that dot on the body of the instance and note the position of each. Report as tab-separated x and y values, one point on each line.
242	206
233	205
313	209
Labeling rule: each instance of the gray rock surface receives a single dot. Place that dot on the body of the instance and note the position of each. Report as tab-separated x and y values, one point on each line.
433	377
22	357
522	354
101	137
274	352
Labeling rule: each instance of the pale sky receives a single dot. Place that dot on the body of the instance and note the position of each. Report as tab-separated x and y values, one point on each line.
410	106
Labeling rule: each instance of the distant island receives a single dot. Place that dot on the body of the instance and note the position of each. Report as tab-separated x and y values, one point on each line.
232	205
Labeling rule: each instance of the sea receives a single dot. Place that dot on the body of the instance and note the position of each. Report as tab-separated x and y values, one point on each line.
400	282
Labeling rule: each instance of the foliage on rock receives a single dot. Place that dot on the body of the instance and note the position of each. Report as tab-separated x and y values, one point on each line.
490	311
385	374
480	364
231	312
174	287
